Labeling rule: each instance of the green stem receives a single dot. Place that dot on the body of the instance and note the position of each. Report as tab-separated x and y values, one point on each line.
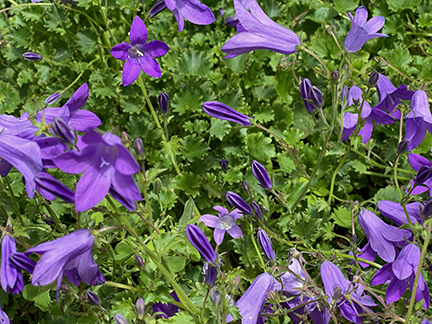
256	247
304	49
52	214
146	197
341	163
25	5
16	206
119	285
383	175
281	200
427	225
79	75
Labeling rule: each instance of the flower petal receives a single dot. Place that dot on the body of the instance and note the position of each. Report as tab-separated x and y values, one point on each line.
209	220
131	71
235	231
150	66
219	235
138	32
156	48
120	51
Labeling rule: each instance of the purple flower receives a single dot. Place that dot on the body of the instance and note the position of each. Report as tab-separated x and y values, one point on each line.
29	56
140	55
4	319
417	162
198	239
337	287
401	272
167	310
50	187
238	202
261	174
383	238
362	30
163	100
210	274
305	86
119	319
418	120
107	166
70	255
222	111
53	98
10	276
390	96
395	212
224	223
266	246
258	31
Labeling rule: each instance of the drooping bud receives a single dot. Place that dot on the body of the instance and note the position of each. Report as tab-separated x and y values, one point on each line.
224	164
140	307
222	111
210	274
119	319
316	96
139	147
261	174
157	8
163	100
246	186
92	298
402	147
198	239
29	56
373	78
157	186
305	85
265	243
139	261
257	209
53	98
215	296
335	76
424	173
62	130
238	202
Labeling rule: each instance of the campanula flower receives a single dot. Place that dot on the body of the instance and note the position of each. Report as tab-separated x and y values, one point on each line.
163	100
401	272
107	165
166	310
417	162
139	54
222	111
266	246
261	174
29	56
210	274
395	212
4	319
10	276
238	202
198	239
258	31
305	86
362	30
390	96
191	10
418	120
224	223
70	255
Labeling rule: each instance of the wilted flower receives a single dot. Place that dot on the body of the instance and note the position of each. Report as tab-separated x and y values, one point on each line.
225	222
163	100
29	56
140	55
238	202
261	174
418	120
198	239
258	31
361	31
266	246
222	111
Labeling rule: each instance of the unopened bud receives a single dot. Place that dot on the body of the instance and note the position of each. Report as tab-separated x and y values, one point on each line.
53	98
157	8
139	147
335	76
246	186
373	78
119	319
224	164
344	94
62	130
48	220
140	307
257	209
427	210
92	298
29	56
236	282
163	100
337	293
353	239
402	147
316	96
157	186
125	138
139	261
266	246
423	174
215	296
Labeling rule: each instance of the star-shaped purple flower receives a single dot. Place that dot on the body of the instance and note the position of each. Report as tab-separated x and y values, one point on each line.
224	223
139	54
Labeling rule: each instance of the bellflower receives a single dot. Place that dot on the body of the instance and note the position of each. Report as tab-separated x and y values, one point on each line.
198	239
50	187
167	310
29	56
258	31
418	120
70	255
224	223
10	276
401	272
395	212
305	86
222	111
107	166
390	96
210	274
4	319
238	202
417	162
139	54
261	174
333	278
53	98
383	238
362	30
266	246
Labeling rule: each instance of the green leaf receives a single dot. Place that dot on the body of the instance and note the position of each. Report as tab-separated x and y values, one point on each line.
122	251
219	128
323	14
236	64
193	147
186	101
260	147
98	217
232	176
286	163
194	63
189	182
25	76
87	40
10	102
188	212
344	5
387	193
342	217
21	36
399	57
397	5
176	264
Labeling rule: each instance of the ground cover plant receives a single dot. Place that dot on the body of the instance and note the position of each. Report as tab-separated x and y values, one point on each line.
245	161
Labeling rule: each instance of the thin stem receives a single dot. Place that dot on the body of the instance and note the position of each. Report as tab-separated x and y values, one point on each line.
123	286
281	200
256	247
16	206
304	49
25	5
79	75
341	163
146	197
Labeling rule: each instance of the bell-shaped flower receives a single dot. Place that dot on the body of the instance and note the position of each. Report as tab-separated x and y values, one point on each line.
395	212
10	276
50	187
362	30
259	32
382	238
225	222
166	310
390	96
198	239
70	255
222	111
401	272
139	54
238	202
417	162
107	166
418	120
264	242
261	174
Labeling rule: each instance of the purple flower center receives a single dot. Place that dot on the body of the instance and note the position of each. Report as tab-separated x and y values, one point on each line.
136	51
225	222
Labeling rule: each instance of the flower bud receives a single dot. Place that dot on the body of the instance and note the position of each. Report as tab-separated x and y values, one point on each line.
373	78
62	130
119	319
261	174
157	8
53	98
353	239
29	56
305	85
198	239
344	95
139	147
427	210
157	186
48	220
238	202
125	138
335	76
423	174
316	96
163	100
140	307
215	296
246	186
92	298
139	261
264	241
236	282
337	293
210	274
221	111
402	147
224	164
257	209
